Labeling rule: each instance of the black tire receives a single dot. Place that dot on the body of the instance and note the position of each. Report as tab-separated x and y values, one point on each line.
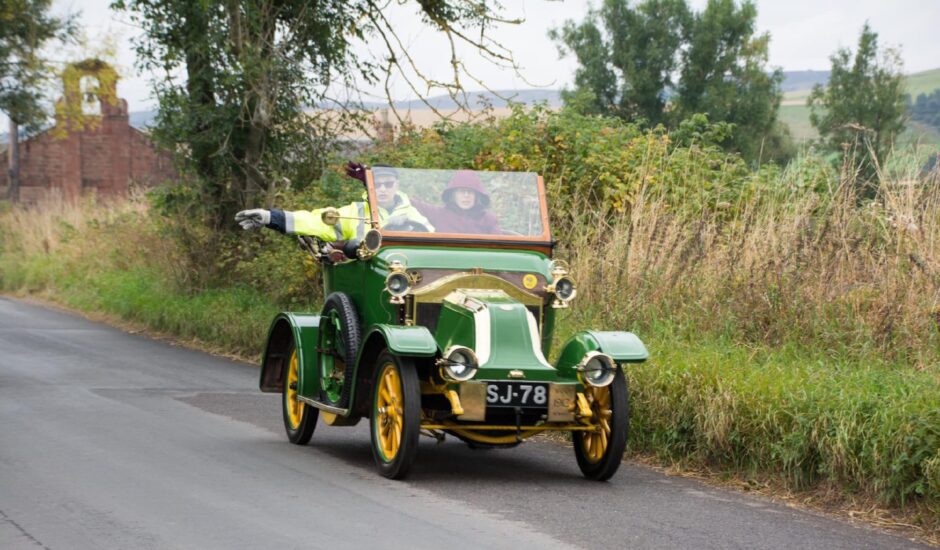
345	343
607	464
299	430
408	415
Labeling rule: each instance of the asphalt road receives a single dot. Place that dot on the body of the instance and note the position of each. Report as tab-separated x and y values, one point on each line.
111	440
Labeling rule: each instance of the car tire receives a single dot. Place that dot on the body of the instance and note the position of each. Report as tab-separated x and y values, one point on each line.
338	308
396	415
300	419
599	457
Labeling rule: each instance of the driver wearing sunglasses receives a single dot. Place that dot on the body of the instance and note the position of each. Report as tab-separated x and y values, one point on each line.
395	211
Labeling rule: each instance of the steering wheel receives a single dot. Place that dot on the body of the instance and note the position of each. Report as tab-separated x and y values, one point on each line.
408	225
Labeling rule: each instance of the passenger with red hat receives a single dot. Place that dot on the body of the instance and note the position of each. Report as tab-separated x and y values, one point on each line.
465	209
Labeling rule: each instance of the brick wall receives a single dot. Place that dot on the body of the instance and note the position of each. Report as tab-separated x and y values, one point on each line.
104	159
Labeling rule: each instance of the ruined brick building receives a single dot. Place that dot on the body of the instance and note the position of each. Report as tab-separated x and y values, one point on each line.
92	149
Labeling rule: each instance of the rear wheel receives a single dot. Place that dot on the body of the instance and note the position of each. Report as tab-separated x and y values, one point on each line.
396	415
300	419
600	452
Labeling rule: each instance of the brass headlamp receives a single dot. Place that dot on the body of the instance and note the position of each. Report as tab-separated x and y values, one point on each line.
398	283
562	285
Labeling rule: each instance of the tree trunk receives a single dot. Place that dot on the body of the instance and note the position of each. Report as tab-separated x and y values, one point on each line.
201	93
253	45
14	164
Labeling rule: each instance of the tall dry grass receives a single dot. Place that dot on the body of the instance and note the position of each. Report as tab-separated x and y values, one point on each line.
775	268
122	260
791	333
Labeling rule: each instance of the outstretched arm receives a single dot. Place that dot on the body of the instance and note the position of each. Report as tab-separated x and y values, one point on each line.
297	222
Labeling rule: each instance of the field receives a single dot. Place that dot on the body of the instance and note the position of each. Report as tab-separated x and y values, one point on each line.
923	83
797	118
795	113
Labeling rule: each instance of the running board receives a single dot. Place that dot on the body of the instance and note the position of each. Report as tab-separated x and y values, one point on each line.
323	406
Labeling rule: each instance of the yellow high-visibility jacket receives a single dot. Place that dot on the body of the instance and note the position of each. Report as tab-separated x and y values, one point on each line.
308	222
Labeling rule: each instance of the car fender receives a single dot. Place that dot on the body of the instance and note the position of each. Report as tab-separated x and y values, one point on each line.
303	330
411	341
622	347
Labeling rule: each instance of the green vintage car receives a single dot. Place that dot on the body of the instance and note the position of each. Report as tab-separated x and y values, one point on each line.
428	332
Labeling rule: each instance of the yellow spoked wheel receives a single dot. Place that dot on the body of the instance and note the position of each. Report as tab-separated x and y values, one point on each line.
594	444
299	419
295	408
389	406
600	451
396	415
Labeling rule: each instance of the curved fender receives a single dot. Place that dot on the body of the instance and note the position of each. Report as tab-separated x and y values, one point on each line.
623	347
414	341
303	329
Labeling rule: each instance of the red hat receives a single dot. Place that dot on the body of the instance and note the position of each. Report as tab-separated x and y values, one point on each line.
468	179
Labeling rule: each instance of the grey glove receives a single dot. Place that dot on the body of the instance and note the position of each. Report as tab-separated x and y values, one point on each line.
255	218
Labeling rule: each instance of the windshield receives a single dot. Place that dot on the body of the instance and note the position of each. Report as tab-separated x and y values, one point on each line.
499	205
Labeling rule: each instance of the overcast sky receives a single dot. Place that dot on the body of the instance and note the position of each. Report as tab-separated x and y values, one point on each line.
803	35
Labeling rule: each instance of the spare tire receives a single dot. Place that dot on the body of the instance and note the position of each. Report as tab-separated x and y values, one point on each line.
340	337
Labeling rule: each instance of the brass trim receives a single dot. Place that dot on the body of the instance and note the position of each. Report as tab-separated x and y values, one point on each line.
436	292
454	402
473	401
561	402
499	427
584	410
508	439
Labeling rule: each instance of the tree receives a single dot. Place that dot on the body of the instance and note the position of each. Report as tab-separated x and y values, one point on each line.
926	109
631	64
251	69
629	72
724	74
594	80
863	103
26	27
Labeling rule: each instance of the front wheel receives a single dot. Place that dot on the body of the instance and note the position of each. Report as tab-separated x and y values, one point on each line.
396	415
300	419
600	452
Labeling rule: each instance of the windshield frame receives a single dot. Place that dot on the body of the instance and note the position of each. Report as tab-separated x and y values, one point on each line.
402	237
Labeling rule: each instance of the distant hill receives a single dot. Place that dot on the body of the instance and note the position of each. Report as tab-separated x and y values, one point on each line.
792	80
803	80
475	100
923	82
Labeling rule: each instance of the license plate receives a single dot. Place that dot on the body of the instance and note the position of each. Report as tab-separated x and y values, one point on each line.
516	394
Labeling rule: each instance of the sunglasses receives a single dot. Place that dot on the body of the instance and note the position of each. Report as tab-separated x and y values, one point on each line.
386	183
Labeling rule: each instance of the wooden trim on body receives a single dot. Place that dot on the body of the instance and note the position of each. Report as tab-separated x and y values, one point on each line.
399	239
